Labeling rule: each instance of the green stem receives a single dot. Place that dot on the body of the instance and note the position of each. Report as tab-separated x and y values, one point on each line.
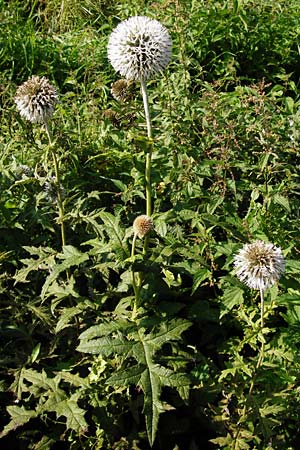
262	308
262	312
58	185
149	149
259	361
136	287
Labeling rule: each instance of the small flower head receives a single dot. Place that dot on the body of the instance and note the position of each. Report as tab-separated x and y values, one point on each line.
139	47
23	171
122	91
142	225
51	190
36	99
259	265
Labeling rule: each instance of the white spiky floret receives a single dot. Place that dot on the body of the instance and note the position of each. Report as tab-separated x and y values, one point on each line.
259	264
139	47
36	99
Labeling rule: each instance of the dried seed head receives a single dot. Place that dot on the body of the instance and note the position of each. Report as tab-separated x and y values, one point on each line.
139	47
142	225
122	91
259	265
36	99
112	116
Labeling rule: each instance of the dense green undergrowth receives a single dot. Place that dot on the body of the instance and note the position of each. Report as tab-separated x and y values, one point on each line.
78	369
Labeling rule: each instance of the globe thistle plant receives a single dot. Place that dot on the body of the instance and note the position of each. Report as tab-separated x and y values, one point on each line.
259	265
36	99
139	47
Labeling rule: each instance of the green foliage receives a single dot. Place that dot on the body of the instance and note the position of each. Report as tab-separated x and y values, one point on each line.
134	340
105	347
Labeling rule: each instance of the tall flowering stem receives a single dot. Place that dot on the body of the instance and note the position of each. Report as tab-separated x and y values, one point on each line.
142	226
258	265
36	99
148	157
149	149
60	202
135	285
139	48
262	308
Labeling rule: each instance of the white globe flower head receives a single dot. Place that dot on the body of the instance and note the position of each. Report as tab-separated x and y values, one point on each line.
139	47
36	99
259	265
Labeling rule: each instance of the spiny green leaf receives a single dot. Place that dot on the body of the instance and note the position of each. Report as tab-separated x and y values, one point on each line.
271	410
113	229
72	257
151	386
105	329
142	345
282	201
4	256
199	277
106	346
73	413
74	379
179	381
45	260
42	313
40	380
233	296
67	316
19	416
46	443
168	331
127	377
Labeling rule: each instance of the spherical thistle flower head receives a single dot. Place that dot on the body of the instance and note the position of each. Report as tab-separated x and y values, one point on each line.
259	265
36	99
142	225
139	47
